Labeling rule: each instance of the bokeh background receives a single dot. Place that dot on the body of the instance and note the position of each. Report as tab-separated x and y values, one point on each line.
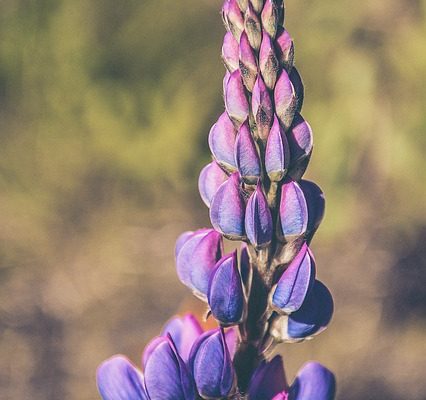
105	108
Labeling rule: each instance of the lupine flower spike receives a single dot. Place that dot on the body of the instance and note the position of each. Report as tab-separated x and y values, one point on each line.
266	292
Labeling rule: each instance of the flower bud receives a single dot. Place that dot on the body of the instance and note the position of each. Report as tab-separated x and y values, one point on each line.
268	61
270	17
277	154
227	209
117	378
300	139
257	5
184	331
268	379
236	102
246	155
233	18
293	212
248	64
222	141
295	282
252	27
243	4
181	240
230	52
258	219
313	382
226	297
299	89
197	259
262	108
166	375
212	367
285	49
211	177
245	266
316	206
285	99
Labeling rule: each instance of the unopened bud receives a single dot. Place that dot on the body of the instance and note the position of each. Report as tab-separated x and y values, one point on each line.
230	52
268	62
285	99
285	49
211	177
262	108
270	17
233	18
253	27
257	5
299	89
247	63
236	102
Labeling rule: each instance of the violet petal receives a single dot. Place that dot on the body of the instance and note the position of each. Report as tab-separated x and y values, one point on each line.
211	177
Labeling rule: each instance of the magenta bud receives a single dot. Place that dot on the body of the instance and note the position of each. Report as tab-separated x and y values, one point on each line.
270	17
257	5
285	99
243	4
227	209
299	89
233	18
197	259
293	212
212	367
222	142
246	156
230	52
316	206
226	295
236	102
277	154
262	108
248	64
258	219
300	139
285	49
253	27
211	177
295	282
268	61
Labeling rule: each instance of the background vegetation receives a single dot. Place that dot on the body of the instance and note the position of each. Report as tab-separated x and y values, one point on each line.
105	107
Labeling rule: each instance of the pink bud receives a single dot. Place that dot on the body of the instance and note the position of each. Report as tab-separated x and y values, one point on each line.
236	102
262	108
268	62
248	64
233	18
285	100
230	52
285	49
252	27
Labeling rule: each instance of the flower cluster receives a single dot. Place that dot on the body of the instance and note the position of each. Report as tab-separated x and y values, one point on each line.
265	292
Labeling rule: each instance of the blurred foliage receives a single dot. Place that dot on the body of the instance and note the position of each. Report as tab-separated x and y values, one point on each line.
105	111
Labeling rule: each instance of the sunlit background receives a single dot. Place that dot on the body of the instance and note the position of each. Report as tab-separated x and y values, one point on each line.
105	108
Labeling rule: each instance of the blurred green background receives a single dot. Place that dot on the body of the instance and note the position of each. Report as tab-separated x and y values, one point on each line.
105	108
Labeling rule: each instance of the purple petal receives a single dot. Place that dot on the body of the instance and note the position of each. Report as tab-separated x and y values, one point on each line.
236	102
314	382
149	348
118	379
226	297
285	99
277	154
299	89
246	155
211	177
295	282
314	315
213	371
258	219
227	209
222	141
181	240
245	266
197	259
248	64
268	380
166	375
300	139
316	205
230	52
285	49
293	211
268	61
262	108
233	18
281	396
252	26
270	17
184	332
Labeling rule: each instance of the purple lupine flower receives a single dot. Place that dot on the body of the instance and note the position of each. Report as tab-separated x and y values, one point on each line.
226	295
295	282
261	147
227	209
211	177
258	221
212	367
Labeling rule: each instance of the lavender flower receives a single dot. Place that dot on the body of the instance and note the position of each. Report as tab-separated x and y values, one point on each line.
266	293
